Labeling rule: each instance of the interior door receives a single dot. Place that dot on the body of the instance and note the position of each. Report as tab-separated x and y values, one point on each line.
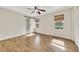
28	25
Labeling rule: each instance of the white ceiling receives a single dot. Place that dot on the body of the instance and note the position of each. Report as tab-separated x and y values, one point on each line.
25	11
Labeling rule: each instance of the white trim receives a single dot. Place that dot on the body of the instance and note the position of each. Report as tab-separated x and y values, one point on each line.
12	36
56	36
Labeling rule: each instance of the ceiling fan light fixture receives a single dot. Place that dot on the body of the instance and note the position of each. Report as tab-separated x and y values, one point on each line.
37	10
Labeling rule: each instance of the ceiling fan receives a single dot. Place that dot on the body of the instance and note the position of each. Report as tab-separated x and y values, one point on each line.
36	9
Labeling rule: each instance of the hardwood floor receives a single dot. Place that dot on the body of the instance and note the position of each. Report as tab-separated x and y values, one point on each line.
37	43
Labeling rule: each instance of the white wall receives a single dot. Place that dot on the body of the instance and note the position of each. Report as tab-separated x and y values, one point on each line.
47	24
11	24
76	24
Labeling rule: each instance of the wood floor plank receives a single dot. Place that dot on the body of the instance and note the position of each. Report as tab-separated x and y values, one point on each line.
37	43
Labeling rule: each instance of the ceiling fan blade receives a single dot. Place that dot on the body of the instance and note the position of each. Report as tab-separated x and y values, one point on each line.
39	12
42	10
35	7
32	11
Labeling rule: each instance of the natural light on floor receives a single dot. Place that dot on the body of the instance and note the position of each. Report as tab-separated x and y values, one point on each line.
37	40
58	43
31	34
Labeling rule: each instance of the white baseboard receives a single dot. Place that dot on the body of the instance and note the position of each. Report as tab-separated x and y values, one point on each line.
12	36
56	36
